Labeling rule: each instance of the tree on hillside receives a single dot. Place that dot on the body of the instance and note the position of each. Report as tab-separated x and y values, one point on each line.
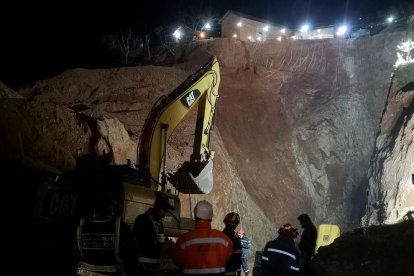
195	20
125	43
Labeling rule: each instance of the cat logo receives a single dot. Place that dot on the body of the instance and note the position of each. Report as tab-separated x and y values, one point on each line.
62	204
190	98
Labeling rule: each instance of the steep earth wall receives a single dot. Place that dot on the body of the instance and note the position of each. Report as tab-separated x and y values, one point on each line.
391	189
300	118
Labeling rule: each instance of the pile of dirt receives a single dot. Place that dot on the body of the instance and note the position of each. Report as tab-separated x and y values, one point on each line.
375	250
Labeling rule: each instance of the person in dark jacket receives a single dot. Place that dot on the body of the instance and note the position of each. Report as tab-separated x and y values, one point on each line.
233	265
245	243
150	237
307	244
280	256
105	245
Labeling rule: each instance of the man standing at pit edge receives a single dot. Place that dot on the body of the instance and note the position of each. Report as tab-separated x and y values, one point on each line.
280	256
202	251
245	243
233	266
307	244
150	237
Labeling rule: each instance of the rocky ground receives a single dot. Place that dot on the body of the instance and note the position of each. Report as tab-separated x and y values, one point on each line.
375	250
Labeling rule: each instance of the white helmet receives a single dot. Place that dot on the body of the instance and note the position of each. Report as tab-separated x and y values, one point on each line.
203	210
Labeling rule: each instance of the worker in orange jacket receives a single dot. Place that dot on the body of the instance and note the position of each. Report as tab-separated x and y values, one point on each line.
202	251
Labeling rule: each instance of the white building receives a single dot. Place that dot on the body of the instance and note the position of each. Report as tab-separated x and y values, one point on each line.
318	33
248	28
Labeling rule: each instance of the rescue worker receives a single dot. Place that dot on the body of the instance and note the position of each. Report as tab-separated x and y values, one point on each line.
307	244
280	256
202	251
150	237
104	242
245	244
233	265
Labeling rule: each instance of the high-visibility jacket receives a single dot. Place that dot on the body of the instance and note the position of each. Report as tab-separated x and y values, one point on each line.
203	251
98	243
280	257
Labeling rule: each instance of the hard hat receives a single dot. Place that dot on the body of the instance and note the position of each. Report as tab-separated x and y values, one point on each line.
288	230
203	210
241	232
232	219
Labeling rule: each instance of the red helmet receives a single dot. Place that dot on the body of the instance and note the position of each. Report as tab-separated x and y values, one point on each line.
288	230
232	219
241	232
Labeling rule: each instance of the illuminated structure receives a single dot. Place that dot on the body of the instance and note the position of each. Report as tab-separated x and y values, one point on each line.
404	56
248	28
317	33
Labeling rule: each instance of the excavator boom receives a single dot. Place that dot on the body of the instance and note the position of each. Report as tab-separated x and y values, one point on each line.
194	176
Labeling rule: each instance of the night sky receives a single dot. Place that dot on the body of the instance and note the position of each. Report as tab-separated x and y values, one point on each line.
40	38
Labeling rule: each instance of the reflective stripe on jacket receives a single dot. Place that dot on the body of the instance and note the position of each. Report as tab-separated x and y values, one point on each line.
202	251
245	243
280	257
146	230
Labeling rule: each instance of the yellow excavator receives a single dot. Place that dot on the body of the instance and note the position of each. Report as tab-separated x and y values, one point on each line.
66	197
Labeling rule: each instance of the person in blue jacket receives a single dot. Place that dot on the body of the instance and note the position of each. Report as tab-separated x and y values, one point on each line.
245	243
280	256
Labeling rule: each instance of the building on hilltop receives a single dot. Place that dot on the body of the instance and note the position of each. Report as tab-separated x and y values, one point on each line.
318	33
248	28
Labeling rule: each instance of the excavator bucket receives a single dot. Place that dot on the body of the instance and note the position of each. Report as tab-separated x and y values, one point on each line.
193	177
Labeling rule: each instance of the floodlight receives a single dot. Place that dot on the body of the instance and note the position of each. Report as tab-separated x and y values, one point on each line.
304	28
342	30
178	33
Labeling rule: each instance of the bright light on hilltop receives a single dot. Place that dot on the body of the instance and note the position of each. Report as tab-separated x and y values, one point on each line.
342	30
404	53
390	19
178	34
304	28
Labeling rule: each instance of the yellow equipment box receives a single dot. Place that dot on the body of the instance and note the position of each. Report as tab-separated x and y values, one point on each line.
327	233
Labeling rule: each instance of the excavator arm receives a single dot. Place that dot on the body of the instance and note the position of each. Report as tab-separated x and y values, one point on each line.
194	176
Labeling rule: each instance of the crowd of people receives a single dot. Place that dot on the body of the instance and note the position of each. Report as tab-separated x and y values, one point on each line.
106	246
